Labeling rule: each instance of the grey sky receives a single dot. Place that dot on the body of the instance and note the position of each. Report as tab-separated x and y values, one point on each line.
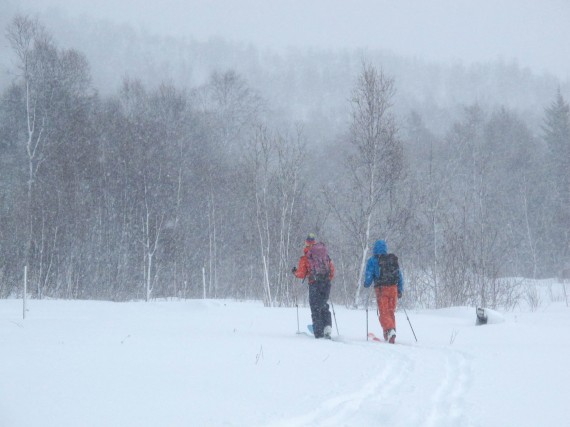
535	33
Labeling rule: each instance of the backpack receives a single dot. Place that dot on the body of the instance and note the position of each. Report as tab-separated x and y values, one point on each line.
319	262
389	270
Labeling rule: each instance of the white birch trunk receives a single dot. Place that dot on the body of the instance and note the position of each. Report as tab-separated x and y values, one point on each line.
267	287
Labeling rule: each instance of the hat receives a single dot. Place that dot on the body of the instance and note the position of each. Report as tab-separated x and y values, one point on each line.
310	240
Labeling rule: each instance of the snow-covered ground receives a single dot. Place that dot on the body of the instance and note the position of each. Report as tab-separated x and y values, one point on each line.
226	363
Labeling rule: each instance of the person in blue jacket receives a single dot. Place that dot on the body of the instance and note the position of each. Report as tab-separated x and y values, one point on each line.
383	270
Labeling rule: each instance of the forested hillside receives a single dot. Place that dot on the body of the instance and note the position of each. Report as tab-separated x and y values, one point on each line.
135	166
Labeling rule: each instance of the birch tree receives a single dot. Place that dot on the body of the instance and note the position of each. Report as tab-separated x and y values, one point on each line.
34	51
290	185
55	87
375	164
432	170
231	109
261	160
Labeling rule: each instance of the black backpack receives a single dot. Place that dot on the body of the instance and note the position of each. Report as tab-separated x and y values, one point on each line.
389	270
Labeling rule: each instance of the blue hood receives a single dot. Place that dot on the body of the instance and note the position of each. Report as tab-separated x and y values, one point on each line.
380	247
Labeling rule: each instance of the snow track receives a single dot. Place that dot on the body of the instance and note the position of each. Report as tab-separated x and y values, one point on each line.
390	395
448	399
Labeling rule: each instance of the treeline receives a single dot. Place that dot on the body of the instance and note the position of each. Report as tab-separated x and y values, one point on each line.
207	191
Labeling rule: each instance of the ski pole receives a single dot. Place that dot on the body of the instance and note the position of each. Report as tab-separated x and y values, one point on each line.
334	315
367	299
410	323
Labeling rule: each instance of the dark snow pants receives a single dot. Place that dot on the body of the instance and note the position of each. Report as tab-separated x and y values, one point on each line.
318	296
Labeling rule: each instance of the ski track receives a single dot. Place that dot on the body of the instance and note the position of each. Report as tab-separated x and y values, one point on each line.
393	396
448	399
339	410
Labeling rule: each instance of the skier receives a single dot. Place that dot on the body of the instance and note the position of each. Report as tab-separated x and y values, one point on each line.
317	266
383	270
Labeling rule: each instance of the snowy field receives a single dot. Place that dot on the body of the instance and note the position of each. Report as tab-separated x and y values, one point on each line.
226	363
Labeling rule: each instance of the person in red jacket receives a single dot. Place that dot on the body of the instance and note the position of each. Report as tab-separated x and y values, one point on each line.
316	266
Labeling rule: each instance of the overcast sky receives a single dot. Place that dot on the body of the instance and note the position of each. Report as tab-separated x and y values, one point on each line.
534	32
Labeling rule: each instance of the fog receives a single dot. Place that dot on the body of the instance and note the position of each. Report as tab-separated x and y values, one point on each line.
534	33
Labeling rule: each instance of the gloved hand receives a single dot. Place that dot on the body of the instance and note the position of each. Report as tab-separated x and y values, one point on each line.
294	270
399	294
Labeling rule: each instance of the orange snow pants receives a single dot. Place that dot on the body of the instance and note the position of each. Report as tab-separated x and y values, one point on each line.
387	296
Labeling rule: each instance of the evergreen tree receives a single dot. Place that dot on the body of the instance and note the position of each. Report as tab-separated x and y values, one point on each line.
556	130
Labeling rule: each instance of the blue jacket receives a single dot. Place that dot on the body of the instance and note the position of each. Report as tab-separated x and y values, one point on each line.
373	269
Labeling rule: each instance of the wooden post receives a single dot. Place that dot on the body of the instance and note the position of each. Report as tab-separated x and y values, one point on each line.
204	280
25	291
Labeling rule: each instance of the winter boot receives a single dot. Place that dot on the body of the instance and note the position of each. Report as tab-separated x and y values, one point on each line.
328	331
385	334
392	336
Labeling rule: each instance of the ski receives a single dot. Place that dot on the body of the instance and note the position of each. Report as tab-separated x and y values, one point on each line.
312	332
373	337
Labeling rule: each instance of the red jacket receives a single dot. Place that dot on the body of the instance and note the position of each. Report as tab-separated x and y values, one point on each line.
303	267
